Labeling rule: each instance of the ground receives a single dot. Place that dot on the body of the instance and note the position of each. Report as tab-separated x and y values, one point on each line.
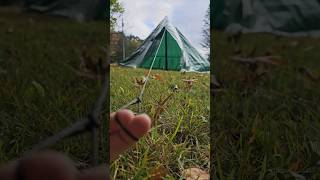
43	89
179	110
265	117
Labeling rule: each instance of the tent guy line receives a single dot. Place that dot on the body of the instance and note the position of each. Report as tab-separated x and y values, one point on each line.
138	100
197	62
89	123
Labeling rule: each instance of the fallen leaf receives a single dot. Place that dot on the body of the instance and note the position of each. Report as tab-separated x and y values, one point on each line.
158	173
308	73
189	82
140	81
195	174
158	77
91	63
253	136
296	166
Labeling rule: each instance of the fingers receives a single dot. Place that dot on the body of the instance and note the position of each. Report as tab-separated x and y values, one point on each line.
7	172
40	166
49	165
125	117
101	173
126	131
140	125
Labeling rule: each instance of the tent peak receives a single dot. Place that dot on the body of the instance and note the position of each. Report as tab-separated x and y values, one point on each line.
165	20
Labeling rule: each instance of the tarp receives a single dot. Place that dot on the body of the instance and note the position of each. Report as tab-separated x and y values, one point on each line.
81	10
283	17
171	50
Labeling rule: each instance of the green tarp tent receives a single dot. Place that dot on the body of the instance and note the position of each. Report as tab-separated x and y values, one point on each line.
282	17
80	10
171	50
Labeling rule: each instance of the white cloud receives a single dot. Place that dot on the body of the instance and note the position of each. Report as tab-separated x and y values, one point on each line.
139	12
187	15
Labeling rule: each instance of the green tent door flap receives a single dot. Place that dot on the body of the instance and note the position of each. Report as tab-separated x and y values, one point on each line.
168	56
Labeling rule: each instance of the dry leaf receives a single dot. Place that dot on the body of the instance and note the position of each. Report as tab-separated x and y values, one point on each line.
189	82
307	72
158	77
158	173
253	137
296	166
92	61
140	81
195	174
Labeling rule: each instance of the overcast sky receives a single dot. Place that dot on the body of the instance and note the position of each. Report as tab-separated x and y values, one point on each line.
142	16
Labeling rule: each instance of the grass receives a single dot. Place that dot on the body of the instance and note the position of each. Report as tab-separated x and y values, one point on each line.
40	92
260	129
269	127
179	138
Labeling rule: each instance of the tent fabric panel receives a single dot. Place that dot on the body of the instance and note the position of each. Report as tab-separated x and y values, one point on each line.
137	58
80	10
285	17
151	53
173	53
193	59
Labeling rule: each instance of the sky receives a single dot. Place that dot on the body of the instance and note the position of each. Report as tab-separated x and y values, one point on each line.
142	16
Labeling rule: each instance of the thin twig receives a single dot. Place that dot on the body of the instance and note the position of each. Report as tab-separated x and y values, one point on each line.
87	124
